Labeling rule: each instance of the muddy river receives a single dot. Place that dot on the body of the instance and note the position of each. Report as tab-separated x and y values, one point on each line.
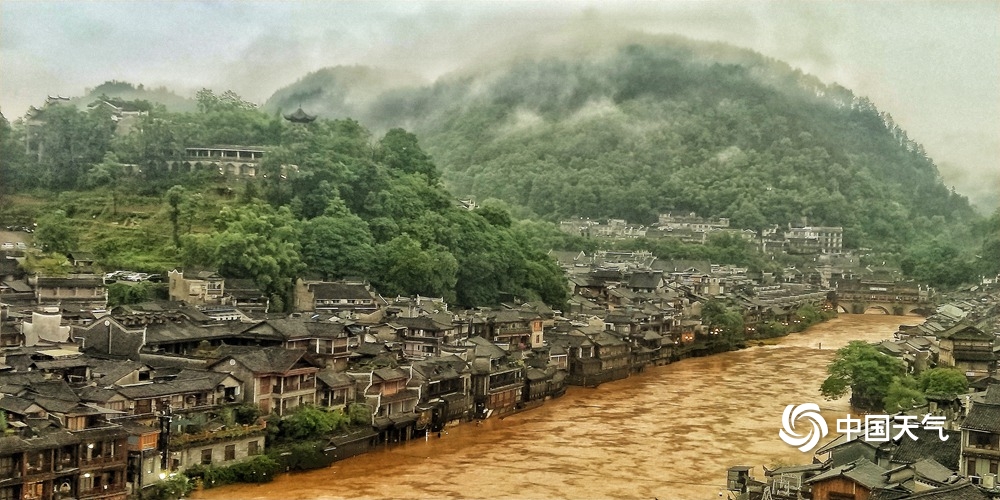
668	433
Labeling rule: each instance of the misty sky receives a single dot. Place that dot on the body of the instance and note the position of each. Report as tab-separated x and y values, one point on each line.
933	65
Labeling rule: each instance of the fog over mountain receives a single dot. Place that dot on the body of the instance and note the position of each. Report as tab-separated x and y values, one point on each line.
934	66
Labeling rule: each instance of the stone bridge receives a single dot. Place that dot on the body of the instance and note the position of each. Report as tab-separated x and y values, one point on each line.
890	297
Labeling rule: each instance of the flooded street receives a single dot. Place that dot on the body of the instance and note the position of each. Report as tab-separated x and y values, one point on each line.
668	433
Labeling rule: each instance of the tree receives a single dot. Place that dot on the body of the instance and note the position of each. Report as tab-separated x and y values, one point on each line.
406	268
867	373
175	487
400	152
57	233
903	394
310	422
129	293
251	241
943	382
338	246
723	320
175	197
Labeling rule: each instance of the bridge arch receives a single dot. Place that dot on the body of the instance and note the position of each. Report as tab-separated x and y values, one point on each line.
877	309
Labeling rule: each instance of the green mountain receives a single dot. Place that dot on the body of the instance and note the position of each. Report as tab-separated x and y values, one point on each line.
665	125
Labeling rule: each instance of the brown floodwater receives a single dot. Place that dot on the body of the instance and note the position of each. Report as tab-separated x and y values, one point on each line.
668	433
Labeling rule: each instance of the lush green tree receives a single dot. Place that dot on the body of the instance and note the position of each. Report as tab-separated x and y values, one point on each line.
903	394
310	422
57	233
359	414
338	246
252	241
400	151
943	382
725	320
865	372
175	487
175	196
495	215
135	293
403	267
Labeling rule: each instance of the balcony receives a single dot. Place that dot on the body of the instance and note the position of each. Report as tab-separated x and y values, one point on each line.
100	460
38	468
107	489
304	386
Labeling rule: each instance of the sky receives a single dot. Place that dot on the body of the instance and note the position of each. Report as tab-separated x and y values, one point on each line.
933	65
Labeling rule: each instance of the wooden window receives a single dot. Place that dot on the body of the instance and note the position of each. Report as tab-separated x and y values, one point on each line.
206	456
230	452
970	467
253	448
7	494
994	467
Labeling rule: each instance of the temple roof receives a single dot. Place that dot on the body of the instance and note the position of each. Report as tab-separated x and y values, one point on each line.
300	116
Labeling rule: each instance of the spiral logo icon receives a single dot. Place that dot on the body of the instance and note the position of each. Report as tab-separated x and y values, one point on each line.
809	412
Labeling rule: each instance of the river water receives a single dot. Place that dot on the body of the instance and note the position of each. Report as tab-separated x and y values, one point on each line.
668	433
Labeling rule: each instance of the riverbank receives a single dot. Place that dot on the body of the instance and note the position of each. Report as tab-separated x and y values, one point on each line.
669	432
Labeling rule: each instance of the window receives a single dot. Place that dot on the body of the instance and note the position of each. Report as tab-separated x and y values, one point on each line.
970	467
994	467
230	452
253	448
7	494
206	456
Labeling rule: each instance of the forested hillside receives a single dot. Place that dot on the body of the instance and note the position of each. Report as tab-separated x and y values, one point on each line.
664	126
329	201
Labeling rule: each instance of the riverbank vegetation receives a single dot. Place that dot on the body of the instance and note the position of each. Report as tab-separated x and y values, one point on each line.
879	382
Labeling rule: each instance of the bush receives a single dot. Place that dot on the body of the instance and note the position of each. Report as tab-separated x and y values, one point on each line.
257	469
310	422
305	455
246	414
172	488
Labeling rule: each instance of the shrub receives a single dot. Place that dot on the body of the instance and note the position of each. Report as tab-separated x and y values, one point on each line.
172	488
246	414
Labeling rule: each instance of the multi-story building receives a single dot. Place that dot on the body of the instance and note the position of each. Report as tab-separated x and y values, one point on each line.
981	437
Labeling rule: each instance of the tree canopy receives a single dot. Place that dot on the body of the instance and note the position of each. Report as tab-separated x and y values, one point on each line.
865	372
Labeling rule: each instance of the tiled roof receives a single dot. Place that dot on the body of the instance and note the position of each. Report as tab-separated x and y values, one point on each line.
70	282
264	360
327	291
959	491
334	379
929	445
187	381
861	471
992	395
983	417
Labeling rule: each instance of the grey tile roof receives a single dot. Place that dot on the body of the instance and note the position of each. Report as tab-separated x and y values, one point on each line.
861	471
983	417
334	379
187	381
992	395
263	360
929	445
959	491
14	404
328	291
13	444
